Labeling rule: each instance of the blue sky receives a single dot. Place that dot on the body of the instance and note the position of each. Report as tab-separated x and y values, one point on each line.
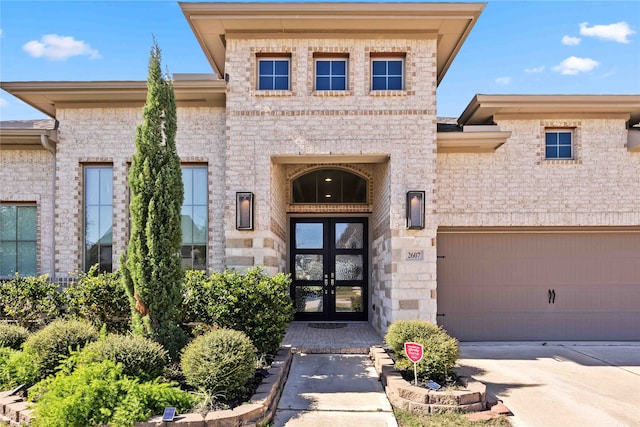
518	47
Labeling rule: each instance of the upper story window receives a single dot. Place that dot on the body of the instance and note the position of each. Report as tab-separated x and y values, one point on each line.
331	74
558	144
194	217
329	186
98	217
273	73
387	73
18	231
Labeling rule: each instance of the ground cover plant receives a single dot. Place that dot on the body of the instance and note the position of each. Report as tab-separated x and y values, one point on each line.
448	419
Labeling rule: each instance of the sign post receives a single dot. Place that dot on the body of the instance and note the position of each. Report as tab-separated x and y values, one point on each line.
414	352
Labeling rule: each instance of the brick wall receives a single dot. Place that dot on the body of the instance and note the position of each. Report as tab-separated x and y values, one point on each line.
27	176
107	136
515	186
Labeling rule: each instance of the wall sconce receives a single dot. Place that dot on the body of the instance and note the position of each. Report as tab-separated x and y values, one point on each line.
415	210
244	211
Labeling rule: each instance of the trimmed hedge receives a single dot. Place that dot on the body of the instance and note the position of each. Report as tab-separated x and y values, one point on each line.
140	357
220	362
440	350
12	336
31	301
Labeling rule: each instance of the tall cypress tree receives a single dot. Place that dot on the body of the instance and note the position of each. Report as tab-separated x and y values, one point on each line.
152	271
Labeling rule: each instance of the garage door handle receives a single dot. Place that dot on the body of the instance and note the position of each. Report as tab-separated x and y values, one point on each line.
552	296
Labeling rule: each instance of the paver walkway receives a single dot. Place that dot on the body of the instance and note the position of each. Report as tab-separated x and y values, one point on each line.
332	382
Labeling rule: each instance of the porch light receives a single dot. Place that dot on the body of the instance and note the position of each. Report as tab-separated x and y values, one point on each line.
415	210
244	211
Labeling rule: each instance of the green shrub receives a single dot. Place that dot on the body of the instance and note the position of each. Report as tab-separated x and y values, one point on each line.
56	341
140	357
16	367
31	301
12	335
221	362
99	393
440	350
101	299
253	303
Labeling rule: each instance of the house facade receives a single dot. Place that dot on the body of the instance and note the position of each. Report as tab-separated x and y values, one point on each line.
314	149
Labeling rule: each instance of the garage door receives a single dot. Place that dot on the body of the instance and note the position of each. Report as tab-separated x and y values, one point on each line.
539	285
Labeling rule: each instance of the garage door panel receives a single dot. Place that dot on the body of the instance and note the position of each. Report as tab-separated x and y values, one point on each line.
495	286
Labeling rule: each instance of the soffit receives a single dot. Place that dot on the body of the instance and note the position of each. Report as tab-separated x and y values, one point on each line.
451	23
470	142
25	138
483	109
49	96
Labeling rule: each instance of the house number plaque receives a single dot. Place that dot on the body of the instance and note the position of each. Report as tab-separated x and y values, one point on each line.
414	255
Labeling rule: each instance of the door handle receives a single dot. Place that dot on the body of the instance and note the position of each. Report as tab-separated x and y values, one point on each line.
549	295
552	296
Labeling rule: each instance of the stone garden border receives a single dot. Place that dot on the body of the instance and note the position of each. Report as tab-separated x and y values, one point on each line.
257	412
408	397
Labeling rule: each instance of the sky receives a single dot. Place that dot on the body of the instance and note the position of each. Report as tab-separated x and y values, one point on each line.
516	47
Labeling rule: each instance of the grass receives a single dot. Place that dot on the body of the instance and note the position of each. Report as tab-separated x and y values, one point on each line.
449	419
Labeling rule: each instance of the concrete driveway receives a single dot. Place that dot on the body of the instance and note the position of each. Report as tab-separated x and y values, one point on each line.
563	384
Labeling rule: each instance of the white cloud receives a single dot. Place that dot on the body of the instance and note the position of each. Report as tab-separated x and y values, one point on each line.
59	48
574	65
571	41
534	69
617	32
1	33
3	102
503	80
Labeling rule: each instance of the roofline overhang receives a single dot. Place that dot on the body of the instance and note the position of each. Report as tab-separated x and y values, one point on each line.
28	139
486	109
471	142
47	97
213	22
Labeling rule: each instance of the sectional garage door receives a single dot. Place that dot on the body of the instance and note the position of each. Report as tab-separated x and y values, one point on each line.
539	285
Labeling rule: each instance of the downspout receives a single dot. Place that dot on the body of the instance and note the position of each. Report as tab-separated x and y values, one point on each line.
44	140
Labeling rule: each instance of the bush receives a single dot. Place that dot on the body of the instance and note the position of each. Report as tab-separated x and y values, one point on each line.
12	335
221	362
16	367
31	301
140	357
440	350
253	303
99	394
56	341
101	299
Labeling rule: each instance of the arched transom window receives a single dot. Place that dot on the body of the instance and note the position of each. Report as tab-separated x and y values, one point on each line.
329	186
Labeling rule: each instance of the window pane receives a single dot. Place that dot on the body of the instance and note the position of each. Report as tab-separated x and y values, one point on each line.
337	83
379	68
7	258
187	184
92	224
551	138
92	186
323	67
281	83
105	224
309	235
564	138
349	299
282	68
105	261
395	68
323	83
27	223
199	224
564	152
186	224
266	83
348	267
91	256
349	236
308	299
8	226
379	83
266	67
106	186
308	267
199	256
395	83
551	152
200	186
339	68
27	258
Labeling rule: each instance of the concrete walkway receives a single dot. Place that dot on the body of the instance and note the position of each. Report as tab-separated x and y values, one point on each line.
560	384
333	389
332	381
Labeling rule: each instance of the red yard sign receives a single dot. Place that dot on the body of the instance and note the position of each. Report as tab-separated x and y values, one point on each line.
413	351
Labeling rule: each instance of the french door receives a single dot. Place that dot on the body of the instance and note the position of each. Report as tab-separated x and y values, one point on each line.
329	268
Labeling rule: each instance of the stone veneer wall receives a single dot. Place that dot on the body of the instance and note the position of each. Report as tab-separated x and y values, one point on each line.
516	186
27	176
400	124
107	136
